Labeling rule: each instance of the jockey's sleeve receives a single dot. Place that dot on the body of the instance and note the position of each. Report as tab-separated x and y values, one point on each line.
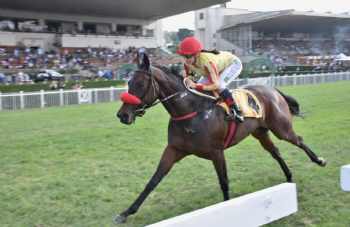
213	77
189	72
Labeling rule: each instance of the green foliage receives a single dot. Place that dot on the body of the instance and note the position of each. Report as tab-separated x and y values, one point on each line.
79	166
174	48
62	71
41	86
184	33
174	38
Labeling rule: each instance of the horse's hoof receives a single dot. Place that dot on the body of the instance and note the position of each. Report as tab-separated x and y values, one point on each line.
324	162
120	219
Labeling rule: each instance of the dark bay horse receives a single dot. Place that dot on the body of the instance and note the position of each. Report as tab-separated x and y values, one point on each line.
204	134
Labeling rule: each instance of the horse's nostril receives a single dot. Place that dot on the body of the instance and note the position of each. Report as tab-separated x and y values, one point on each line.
122	116
125	117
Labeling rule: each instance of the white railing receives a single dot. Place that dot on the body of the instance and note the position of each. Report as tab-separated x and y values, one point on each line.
28	100
42	98
285	80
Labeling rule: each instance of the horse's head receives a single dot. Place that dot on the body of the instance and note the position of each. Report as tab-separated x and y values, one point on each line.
142	92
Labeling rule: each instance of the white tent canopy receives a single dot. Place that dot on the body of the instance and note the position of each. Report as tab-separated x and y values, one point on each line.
342	57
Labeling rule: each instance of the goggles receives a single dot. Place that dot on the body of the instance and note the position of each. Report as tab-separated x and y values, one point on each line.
187	56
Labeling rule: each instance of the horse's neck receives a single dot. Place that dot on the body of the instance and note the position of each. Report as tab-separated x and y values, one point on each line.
181	104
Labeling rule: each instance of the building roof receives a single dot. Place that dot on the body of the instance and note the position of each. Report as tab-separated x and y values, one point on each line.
127	9
289	20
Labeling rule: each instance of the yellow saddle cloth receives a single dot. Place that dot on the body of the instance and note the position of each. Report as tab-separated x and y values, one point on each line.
247	102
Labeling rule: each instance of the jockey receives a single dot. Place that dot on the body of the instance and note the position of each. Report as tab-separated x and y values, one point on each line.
217	68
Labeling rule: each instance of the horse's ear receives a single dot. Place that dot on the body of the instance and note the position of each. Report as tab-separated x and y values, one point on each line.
138	61
146	61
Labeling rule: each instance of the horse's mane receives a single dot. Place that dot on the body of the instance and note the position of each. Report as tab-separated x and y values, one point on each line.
172	70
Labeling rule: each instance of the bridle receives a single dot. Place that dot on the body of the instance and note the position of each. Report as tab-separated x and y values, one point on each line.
155	93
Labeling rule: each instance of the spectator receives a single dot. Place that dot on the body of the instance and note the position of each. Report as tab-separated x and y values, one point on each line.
13	75
100	73
74	86
8	79
61	86
80	86
2	77
53	85
107	73
20	75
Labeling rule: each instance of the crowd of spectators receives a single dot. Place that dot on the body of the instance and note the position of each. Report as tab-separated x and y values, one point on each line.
314	47
89	59
284	51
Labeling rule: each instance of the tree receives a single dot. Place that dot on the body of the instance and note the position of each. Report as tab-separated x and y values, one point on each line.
174	38
183	33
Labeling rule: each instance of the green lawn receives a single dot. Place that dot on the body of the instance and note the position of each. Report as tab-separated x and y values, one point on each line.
79	166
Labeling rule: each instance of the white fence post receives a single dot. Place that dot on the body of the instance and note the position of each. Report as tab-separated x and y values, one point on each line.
294	79
21	99
0	102
313	78
61	97
345	177
111	92
42	99
96	95
322	75
79	96
90	96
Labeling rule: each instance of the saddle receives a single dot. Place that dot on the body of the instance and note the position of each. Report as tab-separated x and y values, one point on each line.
247	102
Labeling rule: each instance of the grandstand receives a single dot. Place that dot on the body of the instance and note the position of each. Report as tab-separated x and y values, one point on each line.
106	34
285	34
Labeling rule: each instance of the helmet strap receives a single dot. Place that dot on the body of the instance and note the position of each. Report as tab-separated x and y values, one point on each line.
195	59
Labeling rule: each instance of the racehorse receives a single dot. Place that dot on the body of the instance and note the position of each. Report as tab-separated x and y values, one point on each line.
203	134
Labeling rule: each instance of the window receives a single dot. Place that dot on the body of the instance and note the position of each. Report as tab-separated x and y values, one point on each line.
149	33
201	16
214	35
214	44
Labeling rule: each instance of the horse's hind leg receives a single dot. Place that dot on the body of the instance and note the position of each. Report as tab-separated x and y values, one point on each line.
262	134
299	142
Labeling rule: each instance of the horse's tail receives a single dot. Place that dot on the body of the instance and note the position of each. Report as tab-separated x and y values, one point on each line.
292	104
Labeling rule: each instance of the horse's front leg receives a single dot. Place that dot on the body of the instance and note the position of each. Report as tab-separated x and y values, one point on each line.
169	158
218	159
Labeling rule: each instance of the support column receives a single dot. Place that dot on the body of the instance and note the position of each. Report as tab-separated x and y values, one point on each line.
143	30
80	25
15	21
113	27
41	22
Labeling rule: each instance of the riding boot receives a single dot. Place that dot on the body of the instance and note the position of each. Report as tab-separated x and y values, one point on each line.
231	102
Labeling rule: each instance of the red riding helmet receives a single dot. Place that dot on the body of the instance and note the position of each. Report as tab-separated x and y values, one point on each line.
190	45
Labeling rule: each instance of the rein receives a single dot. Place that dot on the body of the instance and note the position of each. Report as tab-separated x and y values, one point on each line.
155	95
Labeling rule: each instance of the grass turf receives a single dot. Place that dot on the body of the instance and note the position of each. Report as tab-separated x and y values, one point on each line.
79	166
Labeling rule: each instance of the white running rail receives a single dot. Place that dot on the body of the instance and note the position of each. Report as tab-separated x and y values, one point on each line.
28	100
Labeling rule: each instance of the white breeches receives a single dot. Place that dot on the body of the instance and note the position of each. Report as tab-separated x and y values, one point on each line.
227	76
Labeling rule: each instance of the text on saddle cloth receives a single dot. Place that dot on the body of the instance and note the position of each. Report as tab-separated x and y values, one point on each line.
247	102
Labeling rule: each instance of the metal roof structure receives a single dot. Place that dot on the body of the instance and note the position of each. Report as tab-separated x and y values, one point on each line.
124	9
289	20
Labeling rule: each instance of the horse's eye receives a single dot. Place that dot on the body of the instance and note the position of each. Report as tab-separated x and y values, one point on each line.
140	83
